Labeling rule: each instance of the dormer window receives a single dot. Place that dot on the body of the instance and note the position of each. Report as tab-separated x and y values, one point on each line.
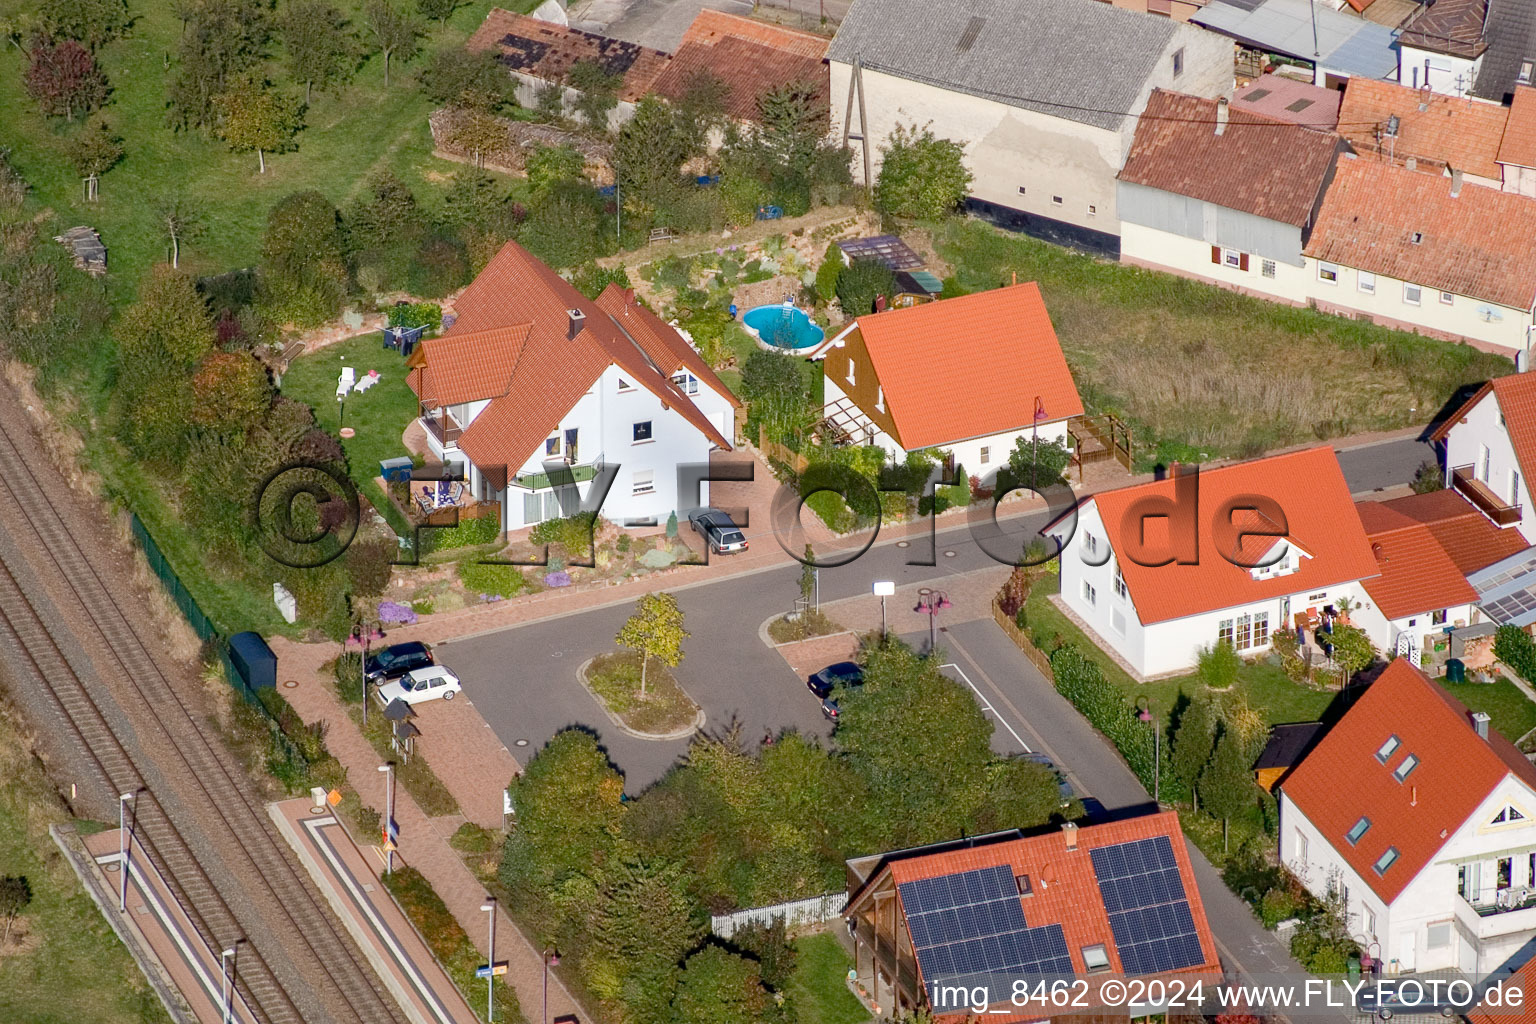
1095	958
1525	73
1387	749
1406	768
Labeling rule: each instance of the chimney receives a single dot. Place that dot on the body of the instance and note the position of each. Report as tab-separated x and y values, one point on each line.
1221	115
1411	163
578	320
1069	833
1456	183
1480	723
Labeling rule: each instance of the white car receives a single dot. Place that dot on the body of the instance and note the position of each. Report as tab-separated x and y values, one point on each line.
420	685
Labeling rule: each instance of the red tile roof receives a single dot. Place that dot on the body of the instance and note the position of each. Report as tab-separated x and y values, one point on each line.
1476	244
969	366
1454	132
1519	144
1320	519
1066	889
1416	573
546	50
749	57
1471	539
661	342
1176	149
1286	99
551	370
1516	396
1524	979
1456	772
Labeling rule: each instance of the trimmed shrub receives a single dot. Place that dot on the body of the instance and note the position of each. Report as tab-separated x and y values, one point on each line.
573	533
1515	648
492	579
469	533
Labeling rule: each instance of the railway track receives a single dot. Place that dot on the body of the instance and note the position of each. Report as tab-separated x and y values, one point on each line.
347	989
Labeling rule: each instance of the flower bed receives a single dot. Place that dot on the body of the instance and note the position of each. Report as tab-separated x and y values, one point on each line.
615	680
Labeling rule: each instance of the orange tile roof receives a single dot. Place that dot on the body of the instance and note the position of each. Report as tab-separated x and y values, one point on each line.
1471	539
711	26
546	50
1516	396
551	371
1176	149
469	367
969	366
1524	979
1066	889
1461	133
1456	772
1519	144
1320	519
661	342
1416	574
1476	244
749	57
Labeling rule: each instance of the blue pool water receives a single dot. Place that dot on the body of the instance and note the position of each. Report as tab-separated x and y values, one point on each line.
783	326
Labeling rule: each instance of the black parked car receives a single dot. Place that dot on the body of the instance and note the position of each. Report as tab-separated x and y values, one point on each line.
396	660
718	530
844	673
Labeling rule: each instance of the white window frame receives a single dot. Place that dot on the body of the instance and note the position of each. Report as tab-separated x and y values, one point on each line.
1413	294
1090	594
642	481
1447	298
1095	958
1365	281
1328	273
851	369
986	454
1231	258
650	432
686	382
1178	62
625	385
1121	591
880	397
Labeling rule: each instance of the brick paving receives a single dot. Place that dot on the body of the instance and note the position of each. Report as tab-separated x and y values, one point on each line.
421	843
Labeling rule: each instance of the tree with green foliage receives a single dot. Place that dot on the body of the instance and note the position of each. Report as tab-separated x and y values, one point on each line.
921	177
1022	794
255	116
231	394
161	338
303	265
1428	477
437	10
644	923
478	133
827	274
95	149
549	167
701	108
386	216
591	280
1034	463
223	40
808	578
370	563
648	156
1193	743
395	32
93	22
15	895
1352	650
1218	664
561	230
64	78
597	92
569	808
655	630
472	80
920	742
721	987
861	282
1226	785
317	43
792	126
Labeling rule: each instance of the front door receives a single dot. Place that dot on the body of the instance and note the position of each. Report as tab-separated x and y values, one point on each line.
1402	950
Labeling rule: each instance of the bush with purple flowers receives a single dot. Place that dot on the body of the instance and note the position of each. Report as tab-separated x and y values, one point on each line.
560	578
394	612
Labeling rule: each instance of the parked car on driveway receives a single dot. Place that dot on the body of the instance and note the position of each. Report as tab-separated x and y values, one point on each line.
719	531
422	684
829	709
844	673
396	660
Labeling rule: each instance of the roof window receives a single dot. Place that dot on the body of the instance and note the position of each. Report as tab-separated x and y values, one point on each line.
1361	828
1387	749
1406	768
1386	860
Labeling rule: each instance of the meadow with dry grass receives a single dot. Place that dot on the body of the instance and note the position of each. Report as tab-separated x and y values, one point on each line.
1201	372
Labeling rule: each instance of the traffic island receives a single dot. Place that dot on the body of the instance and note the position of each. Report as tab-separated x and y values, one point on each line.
664	711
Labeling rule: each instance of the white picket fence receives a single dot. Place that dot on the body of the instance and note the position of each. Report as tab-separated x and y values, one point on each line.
812	910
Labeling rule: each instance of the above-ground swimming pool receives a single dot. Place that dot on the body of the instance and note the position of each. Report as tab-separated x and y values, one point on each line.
782	327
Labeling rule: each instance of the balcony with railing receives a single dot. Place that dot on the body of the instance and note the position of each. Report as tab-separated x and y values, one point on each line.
442	427
1466	483
1503	912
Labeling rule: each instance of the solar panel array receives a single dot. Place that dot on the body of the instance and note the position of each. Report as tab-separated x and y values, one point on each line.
1148	908
969	926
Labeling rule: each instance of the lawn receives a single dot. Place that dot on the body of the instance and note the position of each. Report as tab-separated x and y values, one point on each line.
379	415
1512	713
70	966
1201	372
348	135
817	987
615	680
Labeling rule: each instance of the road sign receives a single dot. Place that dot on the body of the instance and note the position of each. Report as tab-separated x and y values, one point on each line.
333	797
393	830
495	970
388	846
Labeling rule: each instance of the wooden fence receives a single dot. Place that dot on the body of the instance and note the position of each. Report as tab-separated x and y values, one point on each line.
773	450
1017	635
812	910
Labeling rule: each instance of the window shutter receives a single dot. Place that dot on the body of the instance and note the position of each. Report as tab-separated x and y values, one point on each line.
1242	261
1215	254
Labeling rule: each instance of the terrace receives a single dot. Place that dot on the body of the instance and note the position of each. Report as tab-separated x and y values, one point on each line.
1464	480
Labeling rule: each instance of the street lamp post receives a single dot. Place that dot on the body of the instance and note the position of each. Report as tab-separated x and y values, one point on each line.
364	669
551	959
124	851
1144	712
1034	456
226	972
931	602
390	831
884	589
489	906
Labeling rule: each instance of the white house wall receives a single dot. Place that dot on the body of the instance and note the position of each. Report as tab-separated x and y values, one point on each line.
1462	448
1191	257
1452	76
1462	317
1111	616
1209	223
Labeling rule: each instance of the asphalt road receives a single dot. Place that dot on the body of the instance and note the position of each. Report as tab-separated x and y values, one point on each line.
524	681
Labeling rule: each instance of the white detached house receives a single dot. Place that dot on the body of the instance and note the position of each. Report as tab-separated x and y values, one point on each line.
1424	820
1489	451
534	376
1158	571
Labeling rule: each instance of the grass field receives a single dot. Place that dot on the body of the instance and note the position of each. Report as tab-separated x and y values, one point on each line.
817	988
1202	372
1513	713
68	966
347	137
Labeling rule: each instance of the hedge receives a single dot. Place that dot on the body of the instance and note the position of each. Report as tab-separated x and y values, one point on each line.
1082	682
1515	648
469	533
